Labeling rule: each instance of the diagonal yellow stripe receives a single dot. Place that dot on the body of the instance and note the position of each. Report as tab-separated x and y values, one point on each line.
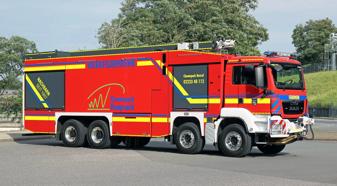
179	87
31	84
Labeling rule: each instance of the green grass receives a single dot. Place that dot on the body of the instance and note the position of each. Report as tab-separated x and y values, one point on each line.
322	89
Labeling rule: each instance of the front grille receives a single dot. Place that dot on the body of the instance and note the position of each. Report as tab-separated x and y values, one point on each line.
293	107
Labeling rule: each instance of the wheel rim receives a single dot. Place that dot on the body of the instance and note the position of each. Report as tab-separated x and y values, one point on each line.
70	134
187	139
97	135
233	141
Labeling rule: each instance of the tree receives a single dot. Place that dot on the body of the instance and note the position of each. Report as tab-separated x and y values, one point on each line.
151	22
309	39
12	51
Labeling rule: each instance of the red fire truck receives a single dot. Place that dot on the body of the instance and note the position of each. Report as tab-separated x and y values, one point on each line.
181	93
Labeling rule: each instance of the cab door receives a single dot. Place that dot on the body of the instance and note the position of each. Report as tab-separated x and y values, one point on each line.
249	96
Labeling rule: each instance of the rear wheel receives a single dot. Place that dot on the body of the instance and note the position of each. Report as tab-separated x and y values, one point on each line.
271	149
188	138
73	133
234	141
98	134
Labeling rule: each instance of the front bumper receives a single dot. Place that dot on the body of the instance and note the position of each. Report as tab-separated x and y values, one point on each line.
283	128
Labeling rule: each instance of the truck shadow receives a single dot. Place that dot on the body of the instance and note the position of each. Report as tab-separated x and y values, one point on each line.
153	146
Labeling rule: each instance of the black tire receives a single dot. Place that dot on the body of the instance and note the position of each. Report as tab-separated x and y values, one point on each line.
141	142
271	149
115	141
73	133
234	148
136	142
129	142
184	136
98	135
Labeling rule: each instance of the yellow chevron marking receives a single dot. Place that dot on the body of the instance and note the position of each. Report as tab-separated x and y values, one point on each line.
144	63
37	93
40	118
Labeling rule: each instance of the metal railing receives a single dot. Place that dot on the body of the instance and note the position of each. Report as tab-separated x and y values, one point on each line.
317	67
330	112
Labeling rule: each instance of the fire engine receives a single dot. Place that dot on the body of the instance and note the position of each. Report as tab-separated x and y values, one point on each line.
183	93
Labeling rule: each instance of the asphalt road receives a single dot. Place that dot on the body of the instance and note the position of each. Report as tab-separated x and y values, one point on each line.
48	162
325	129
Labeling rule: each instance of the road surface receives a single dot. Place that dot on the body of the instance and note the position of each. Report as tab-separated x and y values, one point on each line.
48	162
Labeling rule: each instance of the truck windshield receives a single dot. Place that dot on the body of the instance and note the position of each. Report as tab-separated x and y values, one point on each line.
287	76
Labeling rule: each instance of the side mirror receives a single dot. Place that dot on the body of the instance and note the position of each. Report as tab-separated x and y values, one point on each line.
259	77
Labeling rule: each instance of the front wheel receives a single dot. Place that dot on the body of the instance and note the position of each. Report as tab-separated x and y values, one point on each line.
188	138
234	141
271	149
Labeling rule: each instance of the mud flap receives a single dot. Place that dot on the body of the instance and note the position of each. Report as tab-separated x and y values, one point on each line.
210	133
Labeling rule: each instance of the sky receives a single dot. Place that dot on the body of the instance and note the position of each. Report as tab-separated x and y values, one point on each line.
73	24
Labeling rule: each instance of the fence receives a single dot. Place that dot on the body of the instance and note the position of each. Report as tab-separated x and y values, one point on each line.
324	112
317	67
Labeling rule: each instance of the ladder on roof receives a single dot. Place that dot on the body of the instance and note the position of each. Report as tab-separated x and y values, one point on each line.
180	46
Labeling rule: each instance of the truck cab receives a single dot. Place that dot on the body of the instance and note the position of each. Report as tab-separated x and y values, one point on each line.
268	95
